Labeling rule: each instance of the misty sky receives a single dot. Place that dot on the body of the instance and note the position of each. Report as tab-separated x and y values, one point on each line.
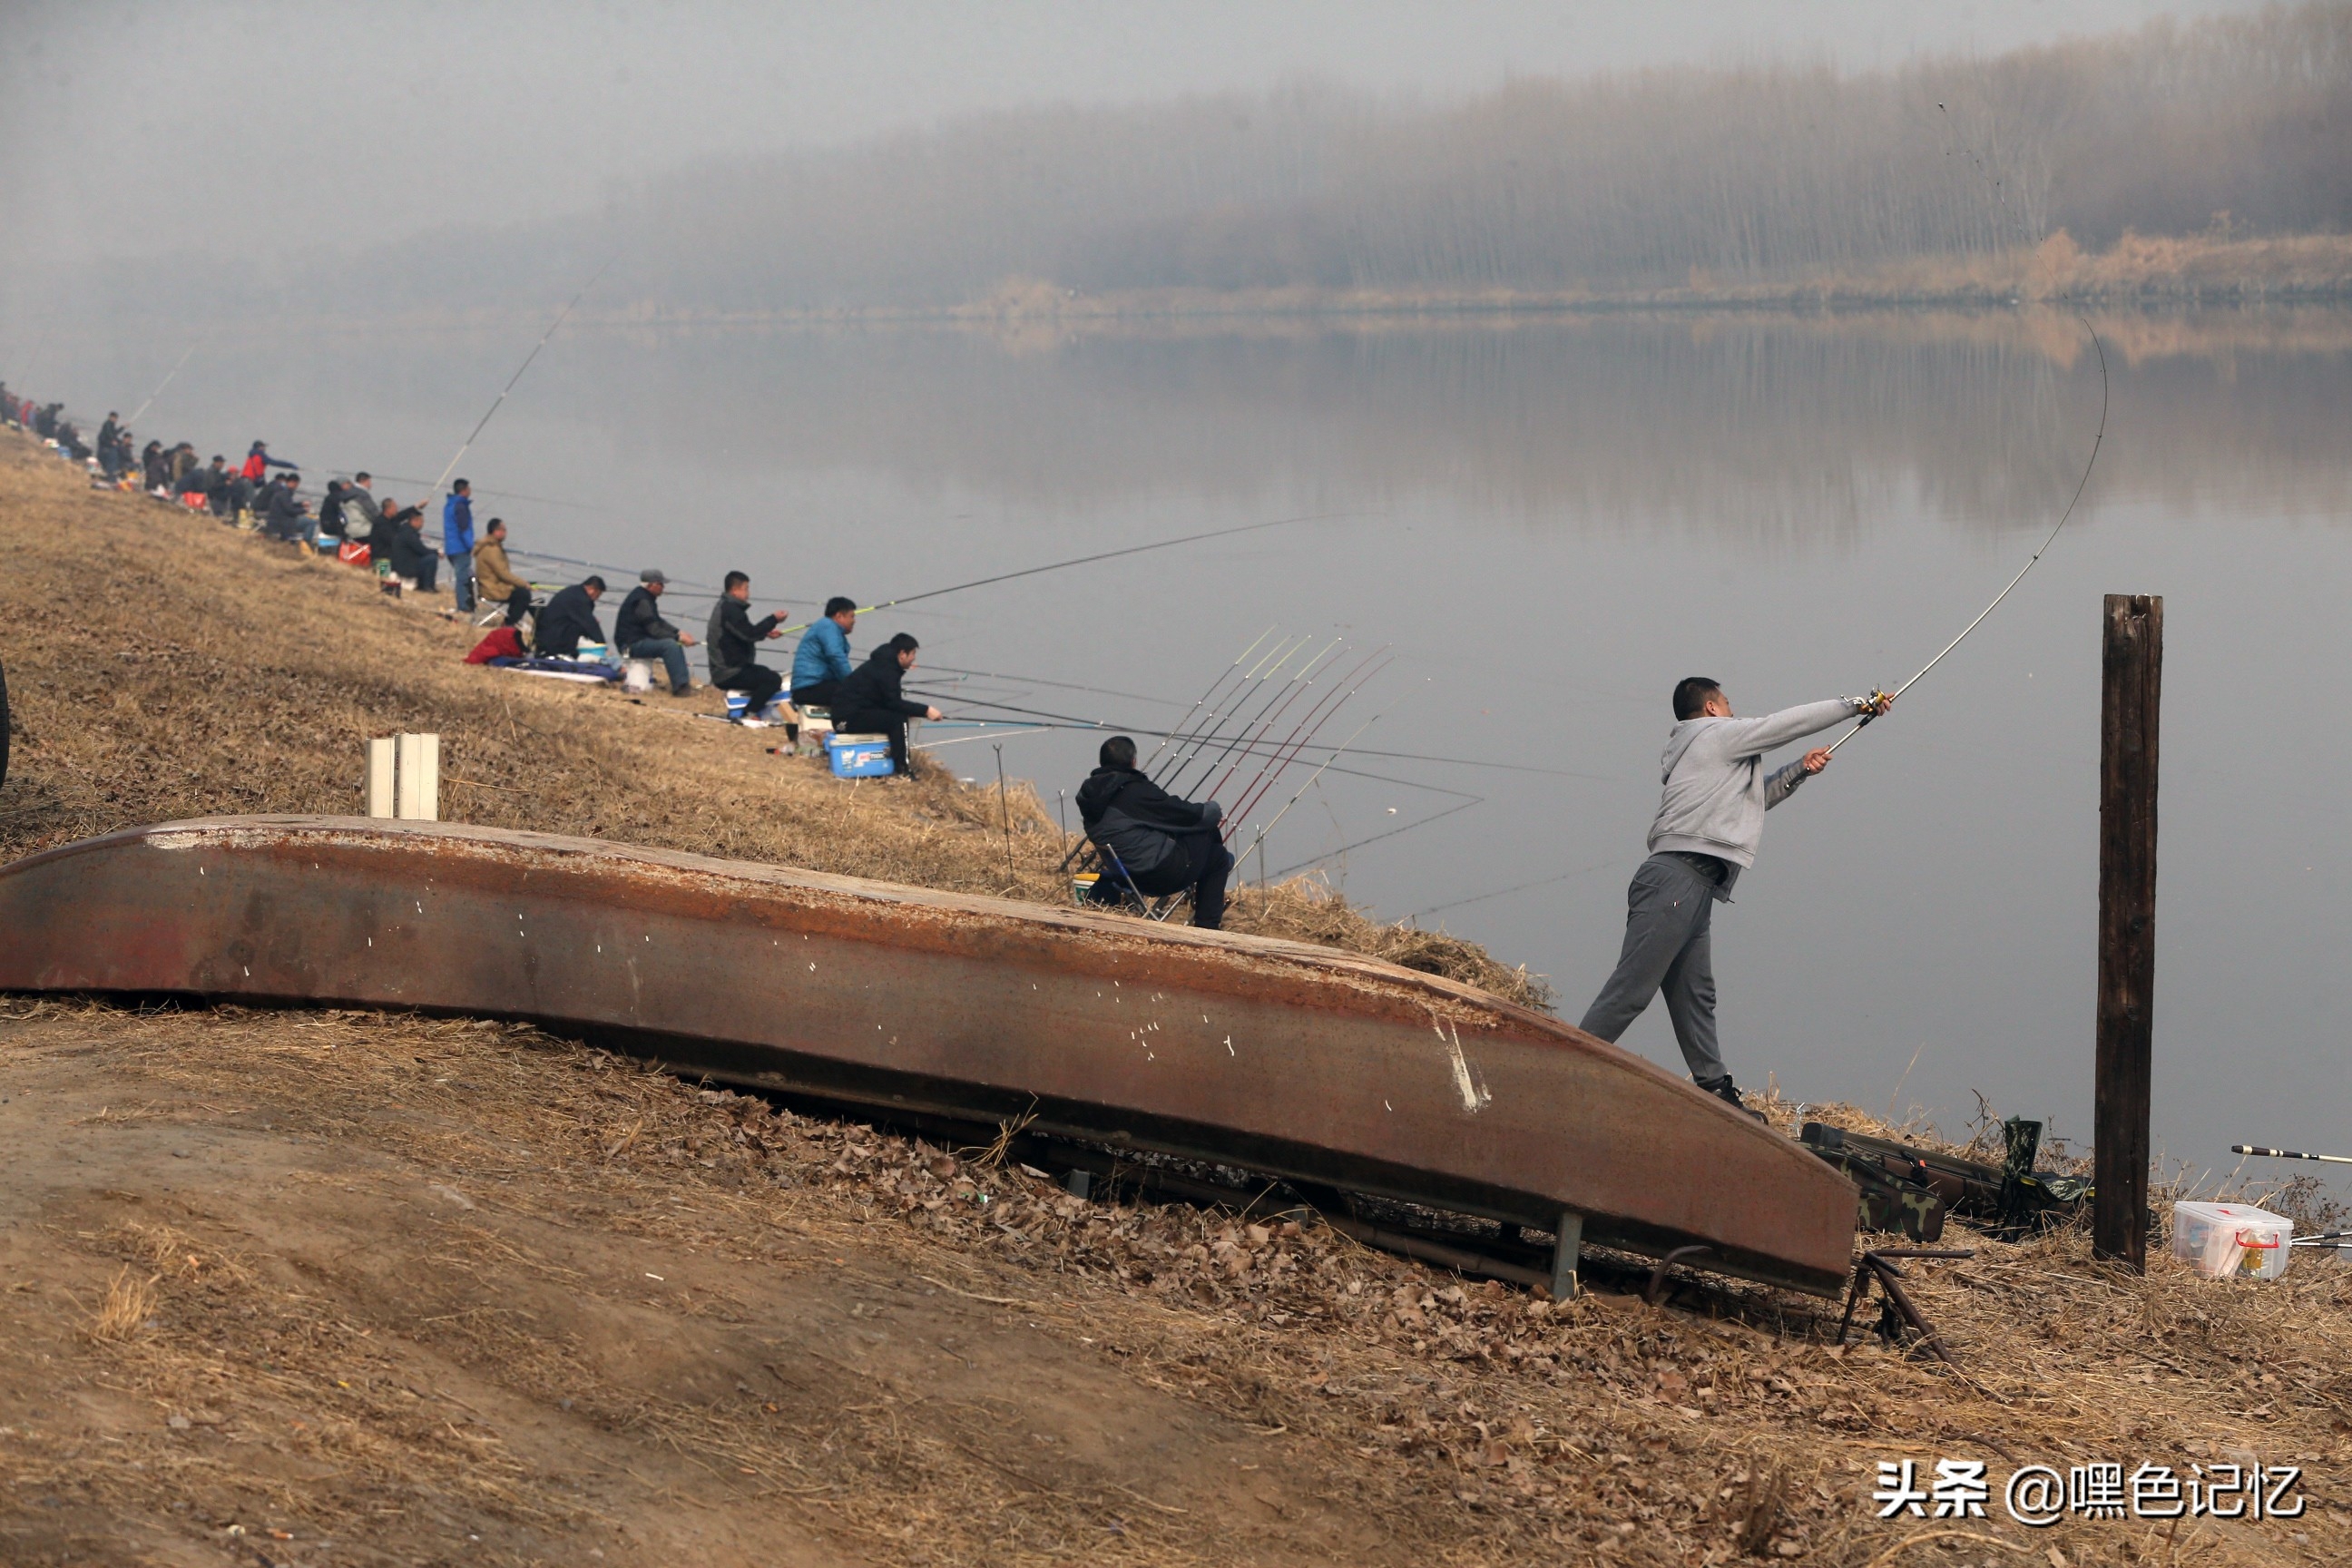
130	129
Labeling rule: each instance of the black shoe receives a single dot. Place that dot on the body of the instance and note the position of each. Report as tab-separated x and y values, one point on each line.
1724	1090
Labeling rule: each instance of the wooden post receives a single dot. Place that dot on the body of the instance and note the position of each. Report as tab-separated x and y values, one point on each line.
2132	690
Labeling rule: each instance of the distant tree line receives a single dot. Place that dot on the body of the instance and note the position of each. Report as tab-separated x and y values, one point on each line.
1737	175
2240	125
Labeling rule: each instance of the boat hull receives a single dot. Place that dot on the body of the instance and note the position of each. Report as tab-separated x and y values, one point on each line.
1282	1057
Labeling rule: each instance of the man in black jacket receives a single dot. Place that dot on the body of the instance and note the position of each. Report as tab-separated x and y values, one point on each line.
570	617
735	639
286	517
1163	845
639	631
871	703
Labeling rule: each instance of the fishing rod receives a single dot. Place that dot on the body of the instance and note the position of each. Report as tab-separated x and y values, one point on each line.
1184	723
2080	486
1303	734
2289	1154
160	386
500	401
1086	560
1237	709
1062	722
1311	778
1041	680
1268	694
1259	731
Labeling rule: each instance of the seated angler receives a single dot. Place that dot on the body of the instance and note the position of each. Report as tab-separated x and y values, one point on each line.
285	516
569	619
870	701
640	632
735	639
494	579
1159	844
411	555
821	662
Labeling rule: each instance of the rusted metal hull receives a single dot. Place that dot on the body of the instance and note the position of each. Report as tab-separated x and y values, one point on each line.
1277	1056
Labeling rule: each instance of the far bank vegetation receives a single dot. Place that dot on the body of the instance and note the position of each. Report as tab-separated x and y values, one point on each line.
2175	161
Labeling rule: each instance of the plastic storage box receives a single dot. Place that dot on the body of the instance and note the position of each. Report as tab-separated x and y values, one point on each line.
2231	1241
860	756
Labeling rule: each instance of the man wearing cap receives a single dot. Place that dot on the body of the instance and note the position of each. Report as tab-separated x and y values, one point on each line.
640	632
570	618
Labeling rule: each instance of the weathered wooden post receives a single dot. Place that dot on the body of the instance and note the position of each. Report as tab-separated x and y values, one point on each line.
2132	690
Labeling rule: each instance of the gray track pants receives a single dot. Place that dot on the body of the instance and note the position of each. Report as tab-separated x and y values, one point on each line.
1668	946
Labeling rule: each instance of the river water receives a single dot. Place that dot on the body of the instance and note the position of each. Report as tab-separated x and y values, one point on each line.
1547	524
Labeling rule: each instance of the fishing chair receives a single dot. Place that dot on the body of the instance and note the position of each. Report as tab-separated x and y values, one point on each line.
1088	889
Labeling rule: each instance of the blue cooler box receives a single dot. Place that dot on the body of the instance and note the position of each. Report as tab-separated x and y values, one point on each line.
860	756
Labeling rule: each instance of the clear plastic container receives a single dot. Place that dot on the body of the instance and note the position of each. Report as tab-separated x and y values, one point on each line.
2231	1241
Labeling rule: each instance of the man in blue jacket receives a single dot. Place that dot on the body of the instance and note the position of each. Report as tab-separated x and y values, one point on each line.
458	543
822	662
1710	820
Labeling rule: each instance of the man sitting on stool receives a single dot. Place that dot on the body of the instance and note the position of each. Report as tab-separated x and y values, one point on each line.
870	703
569	619
735	639
494	575
639	632
822	662
1164	843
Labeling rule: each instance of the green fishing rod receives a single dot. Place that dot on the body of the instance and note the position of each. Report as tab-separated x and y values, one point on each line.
1087	560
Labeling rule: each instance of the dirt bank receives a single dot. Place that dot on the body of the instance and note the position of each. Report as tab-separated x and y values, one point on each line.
311	1287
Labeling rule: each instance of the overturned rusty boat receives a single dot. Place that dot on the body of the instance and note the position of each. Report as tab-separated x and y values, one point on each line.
1332	1071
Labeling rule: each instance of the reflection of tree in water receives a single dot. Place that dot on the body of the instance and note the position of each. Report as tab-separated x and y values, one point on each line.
1768	429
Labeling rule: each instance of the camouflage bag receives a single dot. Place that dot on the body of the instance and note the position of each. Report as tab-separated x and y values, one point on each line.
1892	1194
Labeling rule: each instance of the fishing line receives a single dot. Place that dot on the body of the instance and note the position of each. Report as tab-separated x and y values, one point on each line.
500	400
1518	888
160	386
1060	685
1303	734
1086	560
2034	560
1375	838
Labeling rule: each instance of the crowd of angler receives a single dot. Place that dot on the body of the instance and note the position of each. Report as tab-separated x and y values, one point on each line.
1153	846
542	627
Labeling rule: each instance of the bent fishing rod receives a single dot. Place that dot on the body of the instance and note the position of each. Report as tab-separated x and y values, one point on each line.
2030	562
1087	560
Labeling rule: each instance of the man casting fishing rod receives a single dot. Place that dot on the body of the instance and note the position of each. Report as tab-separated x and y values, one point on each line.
1710	818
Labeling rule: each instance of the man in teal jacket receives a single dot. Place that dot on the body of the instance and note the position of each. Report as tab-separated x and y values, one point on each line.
821	662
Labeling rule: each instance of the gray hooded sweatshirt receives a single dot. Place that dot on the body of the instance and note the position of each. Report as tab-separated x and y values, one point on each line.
1716	791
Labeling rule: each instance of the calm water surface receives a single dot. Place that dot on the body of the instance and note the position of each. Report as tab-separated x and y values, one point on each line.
1548	525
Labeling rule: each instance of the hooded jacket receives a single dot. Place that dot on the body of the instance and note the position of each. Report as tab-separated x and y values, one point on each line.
1716	790
735	637
873	688
570	616
640	618
1136	820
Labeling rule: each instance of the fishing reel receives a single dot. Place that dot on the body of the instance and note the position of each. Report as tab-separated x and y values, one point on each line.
1870	705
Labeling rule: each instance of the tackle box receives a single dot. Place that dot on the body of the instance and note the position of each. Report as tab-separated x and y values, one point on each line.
860	756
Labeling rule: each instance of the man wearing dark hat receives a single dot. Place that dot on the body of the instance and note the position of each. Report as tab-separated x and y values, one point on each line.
570	618
640	632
